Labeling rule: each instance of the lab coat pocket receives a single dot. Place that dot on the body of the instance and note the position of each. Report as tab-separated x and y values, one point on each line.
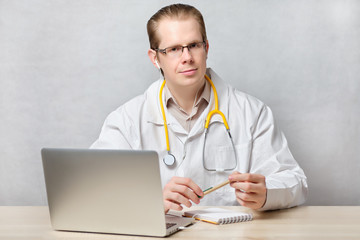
223	157
228	158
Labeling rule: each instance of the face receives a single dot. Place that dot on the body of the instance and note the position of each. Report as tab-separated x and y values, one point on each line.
187	70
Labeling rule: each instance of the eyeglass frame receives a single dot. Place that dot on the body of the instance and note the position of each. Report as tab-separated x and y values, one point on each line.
163	51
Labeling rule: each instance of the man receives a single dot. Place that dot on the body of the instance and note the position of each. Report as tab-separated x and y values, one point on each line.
262	172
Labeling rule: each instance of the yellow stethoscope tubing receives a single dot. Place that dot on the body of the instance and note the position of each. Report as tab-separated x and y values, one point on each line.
208	118
164	117
216	110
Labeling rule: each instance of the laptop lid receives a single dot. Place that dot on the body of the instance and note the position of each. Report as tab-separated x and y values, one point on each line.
108	191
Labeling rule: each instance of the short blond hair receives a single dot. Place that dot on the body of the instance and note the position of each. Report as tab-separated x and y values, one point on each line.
179	11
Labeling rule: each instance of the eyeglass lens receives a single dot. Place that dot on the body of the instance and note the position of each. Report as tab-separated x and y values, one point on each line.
176	51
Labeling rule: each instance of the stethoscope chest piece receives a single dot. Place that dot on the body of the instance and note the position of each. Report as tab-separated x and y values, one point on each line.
169	159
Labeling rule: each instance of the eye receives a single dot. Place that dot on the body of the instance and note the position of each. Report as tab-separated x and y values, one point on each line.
193	45
174	49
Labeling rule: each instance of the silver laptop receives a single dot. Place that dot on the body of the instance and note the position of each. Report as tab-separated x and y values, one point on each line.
107	191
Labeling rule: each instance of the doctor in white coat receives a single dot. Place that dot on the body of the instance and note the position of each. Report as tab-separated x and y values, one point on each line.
256	159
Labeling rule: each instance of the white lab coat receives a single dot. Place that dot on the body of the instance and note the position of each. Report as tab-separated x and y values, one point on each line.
261	147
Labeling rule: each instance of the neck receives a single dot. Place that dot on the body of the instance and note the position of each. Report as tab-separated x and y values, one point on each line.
186	96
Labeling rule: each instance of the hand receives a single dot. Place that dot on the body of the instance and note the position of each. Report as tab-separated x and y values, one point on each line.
250	189
180	190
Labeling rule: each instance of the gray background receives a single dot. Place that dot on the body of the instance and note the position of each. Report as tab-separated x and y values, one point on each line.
65	65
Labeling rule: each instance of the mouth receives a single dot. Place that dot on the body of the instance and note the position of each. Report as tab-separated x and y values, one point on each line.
189	71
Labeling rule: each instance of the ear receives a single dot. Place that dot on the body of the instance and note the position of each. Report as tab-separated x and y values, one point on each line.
153	57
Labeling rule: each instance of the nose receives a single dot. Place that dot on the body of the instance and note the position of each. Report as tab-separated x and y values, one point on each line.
186	55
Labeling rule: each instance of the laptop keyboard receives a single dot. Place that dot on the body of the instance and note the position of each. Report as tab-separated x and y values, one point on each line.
169	225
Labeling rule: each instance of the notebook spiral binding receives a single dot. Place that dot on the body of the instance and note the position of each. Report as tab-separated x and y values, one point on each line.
235	219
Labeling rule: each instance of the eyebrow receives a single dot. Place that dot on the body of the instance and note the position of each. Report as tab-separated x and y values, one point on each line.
176	45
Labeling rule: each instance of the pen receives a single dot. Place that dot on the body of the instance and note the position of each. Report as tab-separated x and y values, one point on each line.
211	189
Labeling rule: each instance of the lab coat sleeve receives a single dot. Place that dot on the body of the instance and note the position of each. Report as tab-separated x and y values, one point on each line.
285	180
117	131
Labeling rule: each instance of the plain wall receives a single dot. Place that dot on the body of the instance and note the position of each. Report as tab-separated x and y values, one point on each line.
65	65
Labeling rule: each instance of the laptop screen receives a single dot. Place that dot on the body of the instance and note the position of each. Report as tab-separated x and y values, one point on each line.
111	191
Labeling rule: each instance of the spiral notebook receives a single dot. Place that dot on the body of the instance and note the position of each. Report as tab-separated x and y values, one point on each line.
219	215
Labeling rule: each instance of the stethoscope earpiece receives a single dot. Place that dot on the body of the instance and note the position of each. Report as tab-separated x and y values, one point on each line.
157	64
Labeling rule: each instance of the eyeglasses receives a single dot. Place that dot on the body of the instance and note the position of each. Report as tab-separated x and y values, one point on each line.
176	51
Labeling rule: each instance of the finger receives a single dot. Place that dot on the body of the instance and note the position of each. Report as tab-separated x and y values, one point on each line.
250	199
246	177
249	204
185	192
235	173
178	198
190	184
171	205
249	187
243	186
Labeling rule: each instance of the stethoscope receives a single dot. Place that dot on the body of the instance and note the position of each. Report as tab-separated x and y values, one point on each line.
169	158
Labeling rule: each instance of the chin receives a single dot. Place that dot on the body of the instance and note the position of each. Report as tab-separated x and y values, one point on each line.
191	82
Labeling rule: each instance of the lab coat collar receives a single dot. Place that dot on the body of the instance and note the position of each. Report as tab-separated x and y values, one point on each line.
154	114
154	110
